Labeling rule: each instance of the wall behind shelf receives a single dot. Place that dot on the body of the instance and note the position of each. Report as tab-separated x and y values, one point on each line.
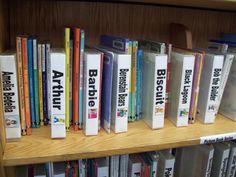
48	18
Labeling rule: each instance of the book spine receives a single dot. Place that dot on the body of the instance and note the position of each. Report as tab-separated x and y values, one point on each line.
231	168
31	81
185	91
26	85
71	80
20	84
92	93
36	91
40	84
169	168
209	163
117	43
76	72
57	67
100	90
224	163
10	96
44	78
48	81
224	77
130	118
81	78
67	49
122	91
139	84
159	91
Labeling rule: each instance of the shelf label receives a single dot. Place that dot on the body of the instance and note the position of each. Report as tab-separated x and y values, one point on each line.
218	138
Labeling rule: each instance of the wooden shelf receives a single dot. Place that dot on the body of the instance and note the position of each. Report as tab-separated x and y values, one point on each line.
40	148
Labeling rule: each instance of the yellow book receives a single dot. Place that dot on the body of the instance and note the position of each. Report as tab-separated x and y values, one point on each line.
67	50
40	83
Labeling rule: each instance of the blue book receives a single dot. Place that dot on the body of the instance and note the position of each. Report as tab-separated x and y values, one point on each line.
31	81
231	37
81	83
139	84
114	42
44	80
36	91
107	75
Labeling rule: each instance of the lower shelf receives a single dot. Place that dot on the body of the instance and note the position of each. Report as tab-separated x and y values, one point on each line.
39	148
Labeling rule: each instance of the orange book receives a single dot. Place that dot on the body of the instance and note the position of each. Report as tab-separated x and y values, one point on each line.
21	83
76	73
26	85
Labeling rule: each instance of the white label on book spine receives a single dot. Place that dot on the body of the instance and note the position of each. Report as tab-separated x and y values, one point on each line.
209	163
57	89
169	168
10	96
218	138
92	92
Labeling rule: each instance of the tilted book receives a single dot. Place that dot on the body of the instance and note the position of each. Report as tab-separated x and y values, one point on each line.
209	87
92	73
10	95
154	83
57	69
182	65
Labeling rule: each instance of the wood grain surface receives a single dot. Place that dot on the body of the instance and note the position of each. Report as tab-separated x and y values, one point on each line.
39	147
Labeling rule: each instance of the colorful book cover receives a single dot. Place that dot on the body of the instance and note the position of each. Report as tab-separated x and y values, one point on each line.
115	42
31	81
9	93
36	91
195	87
76	72
81	78
67	50
130	118
139	84
20	84
71	78
44	80
47	45
40	84
26	85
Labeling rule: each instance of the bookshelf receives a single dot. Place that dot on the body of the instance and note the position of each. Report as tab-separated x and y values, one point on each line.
139	19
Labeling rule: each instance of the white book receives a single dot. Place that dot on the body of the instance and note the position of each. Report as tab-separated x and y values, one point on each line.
10	97
209	87
231	167
228	102
82	167
102	167
120	92
59	169
154	83
92	74
134	166
220	160
181	87
166	164
57	68
114	165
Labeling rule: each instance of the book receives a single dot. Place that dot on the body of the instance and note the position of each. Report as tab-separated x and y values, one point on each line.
59	169
154	83
67	90
123	167
40	84
139	84
81	77
76	72
20	84
209	87
182	65
220	159
57	68
39	170
71	78
134	166
10	95
114	165
166	164
82	165
36	81
93	61
199	59
31	81
26	85
102	167
228	37
48	60
231	167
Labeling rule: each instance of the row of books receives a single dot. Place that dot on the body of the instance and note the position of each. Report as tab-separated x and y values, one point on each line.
112	83
217	160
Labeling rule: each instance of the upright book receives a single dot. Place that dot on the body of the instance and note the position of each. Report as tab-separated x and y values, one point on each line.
166	164
93	61
209	87
182	65
10	95
67	91
40	84
231	167
154	83
57	69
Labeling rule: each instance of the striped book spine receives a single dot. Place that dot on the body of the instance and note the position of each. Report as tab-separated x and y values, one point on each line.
67	50
26	85
40	83
20	84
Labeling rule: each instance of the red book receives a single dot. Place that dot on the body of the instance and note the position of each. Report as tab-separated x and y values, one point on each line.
76	66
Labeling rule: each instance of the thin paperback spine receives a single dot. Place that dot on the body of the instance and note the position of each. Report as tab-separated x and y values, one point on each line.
130	118
67	50
20	84
31	81
36	86
40	84
10	96
71	80
47	45
26	85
